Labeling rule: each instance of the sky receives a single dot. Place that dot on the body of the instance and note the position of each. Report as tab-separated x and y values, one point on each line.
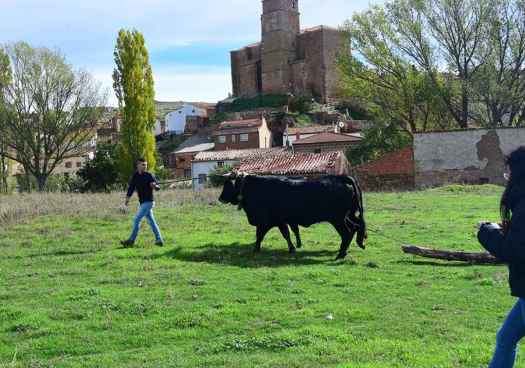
188	41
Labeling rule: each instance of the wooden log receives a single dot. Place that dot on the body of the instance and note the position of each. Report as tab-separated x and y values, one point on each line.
447	255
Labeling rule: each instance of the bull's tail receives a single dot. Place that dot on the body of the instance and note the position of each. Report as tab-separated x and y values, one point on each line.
357	206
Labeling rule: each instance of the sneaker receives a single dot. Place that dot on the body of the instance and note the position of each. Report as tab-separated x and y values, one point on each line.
127	243
159	243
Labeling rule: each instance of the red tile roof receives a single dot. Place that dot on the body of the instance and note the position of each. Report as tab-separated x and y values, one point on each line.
328	137
238	126
234	155
300	164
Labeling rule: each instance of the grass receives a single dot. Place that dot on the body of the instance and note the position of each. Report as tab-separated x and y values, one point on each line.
71	297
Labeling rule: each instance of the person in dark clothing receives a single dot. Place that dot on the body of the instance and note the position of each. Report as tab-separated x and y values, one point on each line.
507	243
143	183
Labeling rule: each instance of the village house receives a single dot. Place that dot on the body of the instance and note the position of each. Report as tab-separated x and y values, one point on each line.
108	132
175	121
207	161
291	135
243	134
180	160
326	142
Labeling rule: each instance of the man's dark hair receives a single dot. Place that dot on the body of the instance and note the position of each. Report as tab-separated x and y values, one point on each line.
516	162
140	159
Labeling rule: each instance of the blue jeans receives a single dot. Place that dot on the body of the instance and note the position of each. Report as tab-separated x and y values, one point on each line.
145	210
511	332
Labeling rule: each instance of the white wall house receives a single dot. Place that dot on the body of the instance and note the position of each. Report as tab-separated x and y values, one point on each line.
175	121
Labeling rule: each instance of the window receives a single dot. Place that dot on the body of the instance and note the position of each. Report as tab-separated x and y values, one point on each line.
234	138
220	164
222	139
69	165
244	137
79	164
187	173
202	178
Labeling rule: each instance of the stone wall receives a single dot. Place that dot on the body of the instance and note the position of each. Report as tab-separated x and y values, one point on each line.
246	72
468	156
393	171
286	60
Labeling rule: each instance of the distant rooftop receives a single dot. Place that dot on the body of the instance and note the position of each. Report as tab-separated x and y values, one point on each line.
196	143
328	137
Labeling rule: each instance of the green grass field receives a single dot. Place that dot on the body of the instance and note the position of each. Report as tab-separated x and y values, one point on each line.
70	296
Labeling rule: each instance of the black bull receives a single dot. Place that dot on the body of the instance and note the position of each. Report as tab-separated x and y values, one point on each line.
271	201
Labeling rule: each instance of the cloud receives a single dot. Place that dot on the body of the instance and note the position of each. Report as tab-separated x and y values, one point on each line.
178	33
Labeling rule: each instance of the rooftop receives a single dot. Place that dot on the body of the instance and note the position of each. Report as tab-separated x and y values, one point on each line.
233	155
310	129
196	143
300	164
328	137
236	124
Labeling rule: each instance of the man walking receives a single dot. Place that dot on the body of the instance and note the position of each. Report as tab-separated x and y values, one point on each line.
144	183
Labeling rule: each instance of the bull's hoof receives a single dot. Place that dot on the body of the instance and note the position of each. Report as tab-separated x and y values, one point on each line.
340	256
299	245
291	251
257	249
362	246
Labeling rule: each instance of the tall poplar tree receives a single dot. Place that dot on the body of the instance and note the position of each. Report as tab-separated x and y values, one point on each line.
133	85
5	79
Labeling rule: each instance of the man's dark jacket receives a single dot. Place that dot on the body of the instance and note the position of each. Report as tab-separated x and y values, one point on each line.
510	248
142	184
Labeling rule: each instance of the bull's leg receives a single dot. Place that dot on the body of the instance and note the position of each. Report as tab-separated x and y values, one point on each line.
286	234
295	229
346	239
260	233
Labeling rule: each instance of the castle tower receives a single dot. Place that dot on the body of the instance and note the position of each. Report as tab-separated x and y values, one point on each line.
280	28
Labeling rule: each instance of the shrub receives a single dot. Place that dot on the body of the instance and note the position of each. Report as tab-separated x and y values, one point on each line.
216	176
100	174
300	104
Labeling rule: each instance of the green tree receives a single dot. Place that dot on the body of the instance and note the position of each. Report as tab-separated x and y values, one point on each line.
378	139
133	85
101	173
51	110
378	75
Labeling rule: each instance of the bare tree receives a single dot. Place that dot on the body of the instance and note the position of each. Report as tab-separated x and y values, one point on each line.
500	86
52	110
446	38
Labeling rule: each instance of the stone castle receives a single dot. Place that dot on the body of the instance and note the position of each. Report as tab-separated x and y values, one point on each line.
287	60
